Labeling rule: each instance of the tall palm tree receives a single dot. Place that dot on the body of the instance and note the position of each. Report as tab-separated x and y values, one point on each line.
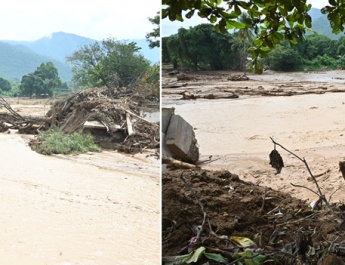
243	39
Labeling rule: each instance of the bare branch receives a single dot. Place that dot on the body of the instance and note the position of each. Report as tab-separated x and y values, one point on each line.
311	174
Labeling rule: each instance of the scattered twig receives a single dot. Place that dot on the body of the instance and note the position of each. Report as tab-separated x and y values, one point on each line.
263	200
300	186
200	204
177	163
323	173
297	221
207	161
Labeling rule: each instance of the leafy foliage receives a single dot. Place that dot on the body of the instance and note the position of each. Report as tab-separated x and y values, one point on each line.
285	58
272	21
44	80
149	83
54	141
108	63
201	47
154	37
193	257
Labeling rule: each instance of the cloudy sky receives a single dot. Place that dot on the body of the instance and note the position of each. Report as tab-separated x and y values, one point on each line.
169	27
34	19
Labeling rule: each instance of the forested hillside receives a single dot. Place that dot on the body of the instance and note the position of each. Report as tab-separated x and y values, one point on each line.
18	60
321	24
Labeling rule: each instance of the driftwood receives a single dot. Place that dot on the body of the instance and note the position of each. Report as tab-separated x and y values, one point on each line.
13	120
176	163
129	125
119	125
174	85
238	77
190	96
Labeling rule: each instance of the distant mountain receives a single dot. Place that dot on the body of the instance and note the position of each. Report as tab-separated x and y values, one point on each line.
321	24
18	58
60	45
57	46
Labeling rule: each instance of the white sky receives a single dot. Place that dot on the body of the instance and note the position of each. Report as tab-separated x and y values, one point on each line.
34	19
169	27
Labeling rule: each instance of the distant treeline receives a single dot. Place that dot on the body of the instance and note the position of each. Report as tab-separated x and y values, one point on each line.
203	47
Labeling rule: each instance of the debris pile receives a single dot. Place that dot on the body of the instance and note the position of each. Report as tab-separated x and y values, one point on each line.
113	123
238	77
10	119
184	77
230	221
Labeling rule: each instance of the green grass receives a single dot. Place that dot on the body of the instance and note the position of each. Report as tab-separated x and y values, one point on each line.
54	141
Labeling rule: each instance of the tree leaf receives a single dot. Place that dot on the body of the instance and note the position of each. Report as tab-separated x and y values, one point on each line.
188	258
196	255
230	24
216	257
190	14
251	258
242	241
332	2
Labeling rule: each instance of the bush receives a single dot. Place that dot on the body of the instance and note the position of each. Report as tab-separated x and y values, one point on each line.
149	83
285	59
54	141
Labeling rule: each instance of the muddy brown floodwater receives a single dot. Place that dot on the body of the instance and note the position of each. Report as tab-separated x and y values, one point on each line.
236	132
67	210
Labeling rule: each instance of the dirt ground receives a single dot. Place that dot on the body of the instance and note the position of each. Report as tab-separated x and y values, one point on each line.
301	111
95	208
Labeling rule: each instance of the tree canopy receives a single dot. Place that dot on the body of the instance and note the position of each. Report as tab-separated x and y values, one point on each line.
44	80
203	47
108	63
272	21
153	37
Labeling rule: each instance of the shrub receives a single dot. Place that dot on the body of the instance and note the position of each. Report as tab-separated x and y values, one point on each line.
54	141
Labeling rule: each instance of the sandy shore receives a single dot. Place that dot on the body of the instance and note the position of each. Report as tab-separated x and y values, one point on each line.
76	210
236	132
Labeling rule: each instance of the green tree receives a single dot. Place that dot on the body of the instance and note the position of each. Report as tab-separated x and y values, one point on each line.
153	37
171	51
108	63
285	58
5	85
243	38
272	20
200	47
44	80
316	45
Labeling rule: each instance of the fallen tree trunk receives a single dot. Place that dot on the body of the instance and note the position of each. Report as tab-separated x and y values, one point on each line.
177	163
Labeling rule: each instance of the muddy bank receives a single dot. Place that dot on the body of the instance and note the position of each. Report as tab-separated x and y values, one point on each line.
274	220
